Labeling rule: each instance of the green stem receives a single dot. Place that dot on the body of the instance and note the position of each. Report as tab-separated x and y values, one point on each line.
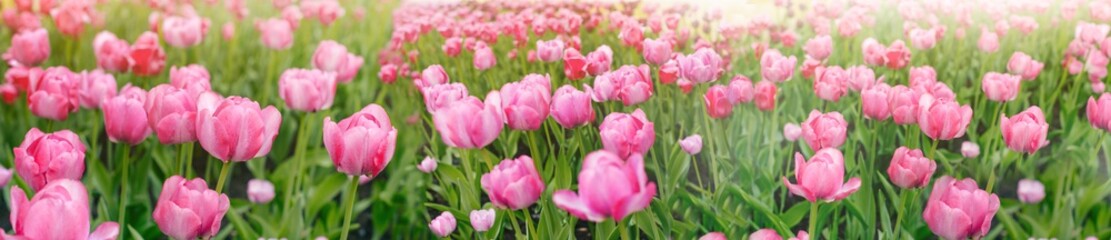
623	228
903	209
125	158
299	159
223	176
352	192
513	220
528	223
812	229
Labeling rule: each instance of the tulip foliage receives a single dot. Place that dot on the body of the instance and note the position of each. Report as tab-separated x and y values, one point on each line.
372	119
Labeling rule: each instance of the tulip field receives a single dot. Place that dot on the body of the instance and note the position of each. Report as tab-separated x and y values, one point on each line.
553	119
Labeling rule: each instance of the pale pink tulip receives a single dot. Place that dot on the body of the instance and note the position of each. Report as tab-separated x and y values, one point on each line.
819	47
1025	66
54	95
1001	87
307	90
111	52
172	113
792	132
910	169
484	58
874	52
821	177
275	33
571	108
45	157
989	41
235	128
184	32
260	191
740	90
549	51
692	144
970	149
704	65
824	130
830	83
656	52
527	102
95	87
904	104
1099	111
482	220
428	165
125	120
1030	191
775	67
513	184
599	61
1026	131
873	102
443	225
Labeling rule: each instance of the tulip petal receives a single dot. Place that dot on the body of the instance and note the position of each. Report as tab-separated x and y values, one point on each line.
847	189
106	231
799	190
573	204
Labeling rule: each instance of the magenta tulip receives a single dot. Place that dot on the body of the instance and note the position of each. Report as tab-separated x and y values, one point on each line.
958	209
627	134
46	157
571	108
172	114
60	210
235	128
527	102
717	102
187	209
513	184
125	120
1026	131
362	144
29	48
609	187
910	169
1099	111
821	177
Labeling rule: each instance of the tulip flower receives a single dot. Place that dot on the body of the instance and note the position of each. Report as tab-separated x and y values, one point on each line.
513	184
775	67
770	234
235	129
656	52
874	52
432	75
821	177
958	209
46	157
260	191
60	210
897	55
94	87
571	108
276	34
184	32
187	209
125	120
824	130
527	103
549	51
942	118
443	225
574	64
625	134
172	114
910	169
53	96
362	144
692	144
5	176
469	123
1030	191
428	165
1099	111
704	65
718	104
111	52
609	187
1025	132
193	78
29	48
333	57
630	84
307	90
482	220
669	72
713	236
599	61
147	57
819	47
970	149
765	96
830	83
1001	87
740	90
484	57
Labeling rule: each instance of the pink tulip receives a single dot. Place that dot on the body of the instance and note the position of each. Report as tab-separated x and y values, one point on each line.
860	78
692	144
111	52
574	64
922	76
1026	131
904	104
631	84
910	169
704	65
1089	33
235	128
775	67
482	220
1025	66
527	102
428	165
791	132
942	118
307	90
1099	111
125	120
54	96
71	17
45	157
875	54
549	51
656	52
184	32
958	209
146	57
292	15
484	58
187	209
388	73
765	96
740	90
627	134
897	55
1097	87
513	184
443	225
874	103
94	88
769	234
669	72
571	108
20	21
1001	87
60	210
599	61
1030	191
1096	66
808	67
830	83
432	75
820	178
713	236
440	96
193	78
718	104
260	191
989	41
631	34
469	123
608	187
172	113
362	144
8	93
922	38
824	130
29	48
453	46
228	31
329	56
970	149
819	47
275	33
326	11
